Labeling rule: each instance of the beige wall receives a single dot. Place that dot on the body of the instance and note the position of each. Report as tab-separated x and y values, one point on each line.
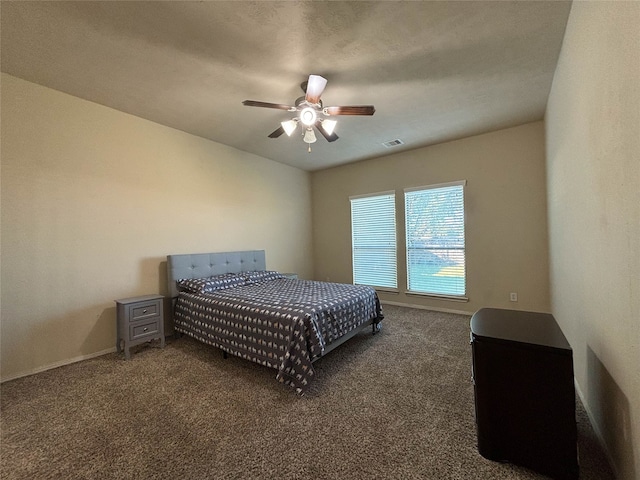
505	203
94	199
593	165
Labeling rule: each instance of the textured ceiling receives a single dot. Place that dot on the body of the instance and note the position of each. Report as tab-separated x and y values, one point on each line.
435	71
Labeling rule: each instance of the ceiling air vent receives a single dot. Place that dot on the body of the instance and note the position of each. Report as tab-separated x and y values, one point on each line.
393	143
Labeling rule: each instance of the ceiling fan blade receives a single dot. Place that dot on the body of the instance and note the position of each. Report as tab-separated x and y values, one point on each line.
315	87
277	132
279	106
352	110
330	138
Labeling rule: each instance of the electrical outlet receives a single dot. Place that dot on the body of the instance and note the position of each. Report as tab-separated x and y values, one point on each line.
513	297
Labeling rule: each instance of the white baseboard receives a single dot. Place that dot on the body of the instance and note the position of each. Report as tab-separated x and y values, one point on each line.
58	364
423	307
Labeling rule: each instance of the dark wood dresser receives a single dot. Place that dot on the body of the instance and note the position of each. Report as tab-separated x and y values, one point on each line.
524	391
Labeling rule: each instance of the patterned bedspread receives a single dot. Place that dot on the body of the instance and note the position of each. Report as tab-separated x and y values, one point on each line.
281	323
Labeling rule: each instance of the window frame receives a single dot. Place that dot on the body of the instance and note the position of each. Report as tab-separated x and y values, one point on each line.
448	296
355	279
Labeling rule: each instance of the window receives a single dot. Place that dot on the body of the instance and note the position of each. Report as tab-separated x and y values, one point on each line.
434	220
373	240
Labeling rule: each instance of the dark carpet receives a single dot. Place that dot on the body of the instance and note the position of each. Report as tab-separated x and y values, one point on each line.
397	405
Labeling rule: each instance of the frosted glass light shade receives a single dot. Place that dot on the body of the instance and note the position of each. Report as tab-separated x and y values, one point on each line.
329	126
309	136
289	126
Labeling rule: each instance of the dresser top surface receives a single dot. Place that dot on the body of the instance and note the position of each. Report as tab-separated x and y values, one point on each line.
517	326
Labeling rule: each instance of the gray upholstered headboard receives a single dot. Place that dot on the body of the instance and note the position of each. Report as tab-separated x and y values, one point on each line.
201	265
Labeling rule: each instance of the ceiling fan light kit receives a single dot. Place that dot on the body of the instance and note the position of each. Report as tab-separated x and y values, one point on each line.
308	109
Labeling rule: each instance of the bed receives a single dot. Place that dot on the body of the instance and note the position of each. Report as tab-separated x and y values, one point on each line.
231	301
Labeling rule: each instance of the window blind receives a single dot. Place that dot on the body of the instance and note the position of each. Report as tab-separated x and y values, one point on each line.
434	221
373	239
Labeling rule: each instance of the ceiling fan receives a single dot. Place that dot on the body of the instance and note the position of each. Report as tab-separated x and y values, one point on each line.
311	113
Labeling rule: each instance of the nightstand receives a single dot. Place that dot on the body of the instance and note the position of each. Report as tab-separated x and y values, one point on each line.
291	276
139	320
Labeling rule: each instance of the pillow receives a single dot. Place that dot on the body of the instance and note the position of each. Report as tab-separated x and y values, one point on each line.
191	285
211	284
226	280
262	276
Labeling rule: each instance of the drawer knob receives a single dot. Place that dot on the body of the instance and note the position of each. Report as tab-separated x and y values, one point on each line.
144	311
145	329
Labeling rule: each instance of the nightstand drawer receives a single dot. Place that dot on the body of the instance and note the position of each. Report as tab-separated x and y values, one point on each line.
145	328
144	310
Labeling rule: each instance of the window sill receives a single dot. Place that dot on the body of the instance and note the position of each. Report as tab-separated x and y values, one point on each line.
387	290
451	298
